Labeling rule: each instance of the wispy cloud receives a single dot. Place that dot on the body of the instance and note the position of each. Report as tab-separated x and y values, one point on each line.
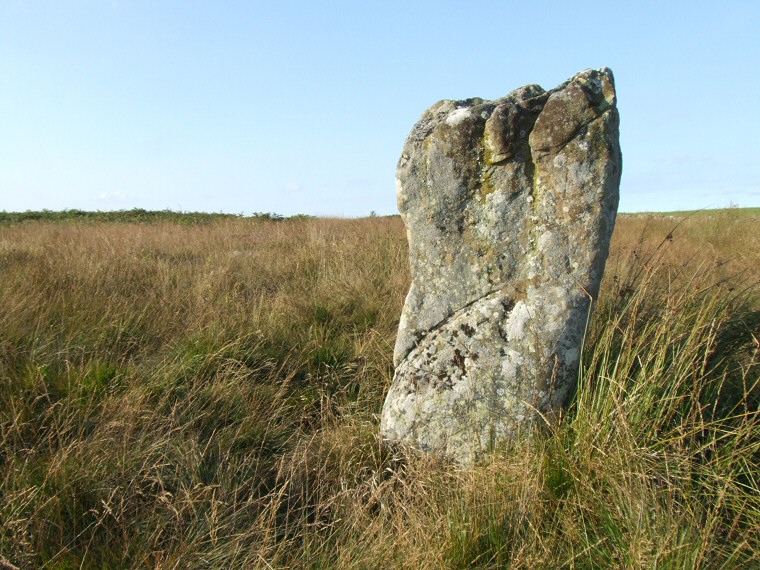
109	197
291	187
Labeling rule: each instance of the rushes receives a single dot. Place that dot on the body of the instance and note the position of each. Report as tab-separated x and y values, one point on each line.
206	396
665	401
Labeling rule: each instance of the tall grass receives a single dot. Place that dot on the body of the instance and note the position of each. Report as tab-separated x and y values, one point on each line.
207	396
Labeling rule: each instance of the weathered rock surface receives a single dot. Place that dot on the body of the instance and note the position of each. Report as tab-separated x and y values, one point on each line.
509	207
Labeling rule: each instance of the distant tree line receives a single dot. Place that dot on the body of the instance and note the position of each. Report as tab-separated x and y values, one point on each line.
135	215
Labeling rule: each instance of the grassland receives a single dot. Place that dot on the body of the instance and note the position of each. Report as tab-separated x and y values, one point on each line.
205	394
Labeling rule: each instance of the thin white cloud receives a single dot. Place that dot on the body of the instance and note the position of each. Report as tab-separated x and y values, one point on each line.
106	197
292	187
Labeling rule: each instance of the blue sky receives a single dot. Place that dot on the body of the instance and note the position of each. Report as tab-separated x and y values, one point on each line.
303	107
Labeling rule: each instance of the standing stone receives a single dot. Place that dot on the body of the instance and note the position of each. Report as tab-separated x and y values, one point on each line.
509	207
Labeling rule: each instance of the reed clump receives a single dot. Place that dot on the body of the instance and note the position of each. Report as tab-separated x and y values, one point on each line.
206	395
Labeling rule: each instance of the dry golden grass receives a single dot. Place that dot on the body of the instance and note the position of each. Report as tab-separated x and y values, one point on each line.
207	396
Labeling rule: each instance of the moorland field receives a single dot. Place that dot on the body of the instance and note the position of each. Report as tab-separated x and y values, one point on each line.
191	392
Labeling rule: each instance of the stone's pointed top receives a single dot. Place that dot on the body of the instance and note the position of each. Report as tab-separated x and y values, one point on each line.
570	108
509	207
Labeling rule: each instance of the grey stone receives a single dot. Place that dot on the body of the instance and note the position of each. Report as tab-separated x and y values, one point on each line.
509	207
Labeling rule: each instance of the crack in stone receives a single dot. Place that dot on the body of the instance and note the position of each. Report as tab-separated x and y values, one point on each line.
511	293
